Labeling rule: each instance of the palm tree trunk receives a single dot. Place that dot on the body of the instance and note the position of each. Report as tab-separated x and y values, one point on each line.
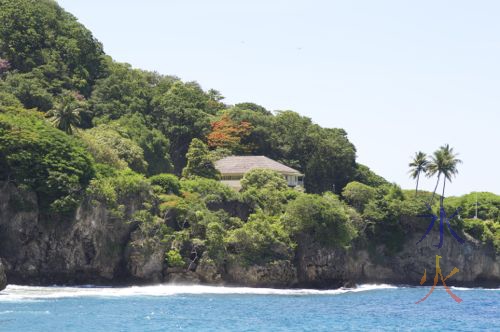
416	189
442	196
435	188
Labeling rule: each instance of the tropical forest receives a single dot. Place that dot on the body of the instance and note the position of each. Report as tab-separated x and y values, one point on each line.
108	176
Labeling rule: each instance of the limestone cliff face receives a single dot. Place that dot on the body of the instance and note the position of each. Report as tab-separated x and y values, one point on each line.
3	277
86	247
91	246
479	265
145	258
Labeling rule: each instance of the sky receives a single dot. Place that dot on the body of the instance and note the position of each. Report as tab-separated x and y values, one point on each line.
399	76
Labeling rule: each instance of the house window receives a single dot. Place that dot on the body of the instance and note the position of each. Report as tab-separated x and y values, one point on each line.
231	177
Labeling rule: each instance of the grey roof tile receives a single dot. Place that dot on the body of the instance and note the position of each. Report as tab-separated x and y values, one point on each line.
243	164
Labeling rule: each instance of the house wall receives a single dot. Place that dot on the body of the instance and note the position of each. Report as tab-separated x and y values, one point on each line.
294	180
233	179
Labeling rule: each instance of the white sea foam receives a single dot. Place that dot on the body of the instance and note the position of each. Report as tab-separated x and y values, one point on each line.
469	289
16	293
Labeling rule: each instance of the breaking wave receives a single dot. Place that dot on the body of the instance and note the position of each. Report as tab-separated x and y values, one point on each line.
16	293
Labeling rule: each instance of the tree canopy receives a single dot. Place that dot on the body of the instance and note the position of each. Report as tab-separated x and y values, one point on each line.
199	161
45	159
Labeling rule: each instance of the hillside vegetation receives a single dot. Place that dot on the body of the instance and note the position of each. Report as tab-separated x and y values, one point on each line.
76	125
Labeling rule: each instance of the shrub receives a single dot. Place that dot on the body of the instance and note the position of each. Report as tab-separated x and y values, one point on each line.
478	229
215	233
266	190
154	144
109	147
322	217
174	258
46	160
488	205
485	231
168	182
260	178
115	189
199	161
262	239
366	176
358	194
208	189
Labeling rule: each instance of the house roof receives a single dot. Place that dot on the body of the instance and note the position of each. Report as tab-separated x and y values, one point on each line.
243	164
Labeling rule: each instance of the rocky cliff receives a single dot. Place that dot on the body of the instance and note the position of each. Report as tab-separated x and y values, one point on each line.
92	246
85	247
3	277
317	266
478	264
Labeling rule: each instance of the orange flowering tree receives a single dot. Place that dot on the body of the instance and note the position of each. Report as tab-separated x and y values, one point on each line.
227	134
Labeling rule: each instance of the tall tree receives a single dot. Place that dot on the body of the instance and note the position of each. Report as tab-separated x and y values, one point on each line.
199	161
40	36
418	165
181	115
66	115
228	134
443	162
450	170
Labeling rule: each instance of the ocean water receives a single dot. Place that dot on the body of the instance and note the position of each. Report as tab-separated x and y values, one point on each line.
206	308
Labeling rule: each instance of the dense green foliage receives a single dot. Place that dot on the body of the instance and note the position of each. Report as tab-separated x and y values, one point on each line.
169	183
358	194
488	205
174	258
199	161
108	134
66	113
38	37
34	154
324	217
265	190
117	187
262	238
153	143
211	190
107	145
365	175
124	91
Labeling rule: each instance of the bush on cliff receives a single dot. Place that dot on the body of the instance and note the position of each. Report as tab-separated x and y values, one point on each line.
174	258
358	194
265	190
488	207
487	231
46	160
115	188
209	190
169	183
260	240
322	217
109	147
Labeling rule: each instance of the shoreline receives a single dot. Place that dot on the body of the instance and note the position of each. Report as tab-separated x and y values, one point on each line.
123	285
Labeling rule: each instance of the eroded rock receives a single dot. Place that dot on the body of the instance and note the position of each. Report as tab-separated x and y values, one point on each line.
3	277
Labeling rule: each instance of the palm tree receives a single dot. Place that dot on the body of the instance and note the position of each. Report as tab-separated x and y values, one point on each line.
443	162
418	165
66	114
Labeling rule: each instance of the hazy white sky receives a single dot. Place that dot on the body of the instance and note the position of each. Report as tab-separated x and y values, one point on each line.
398	76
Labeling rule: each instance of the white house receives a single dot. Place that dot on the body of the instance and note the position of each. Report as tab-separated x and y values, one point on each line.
233	168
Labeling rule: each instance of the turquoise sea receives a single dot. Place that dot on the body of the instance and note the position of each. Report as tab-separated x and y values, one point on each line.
206	308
